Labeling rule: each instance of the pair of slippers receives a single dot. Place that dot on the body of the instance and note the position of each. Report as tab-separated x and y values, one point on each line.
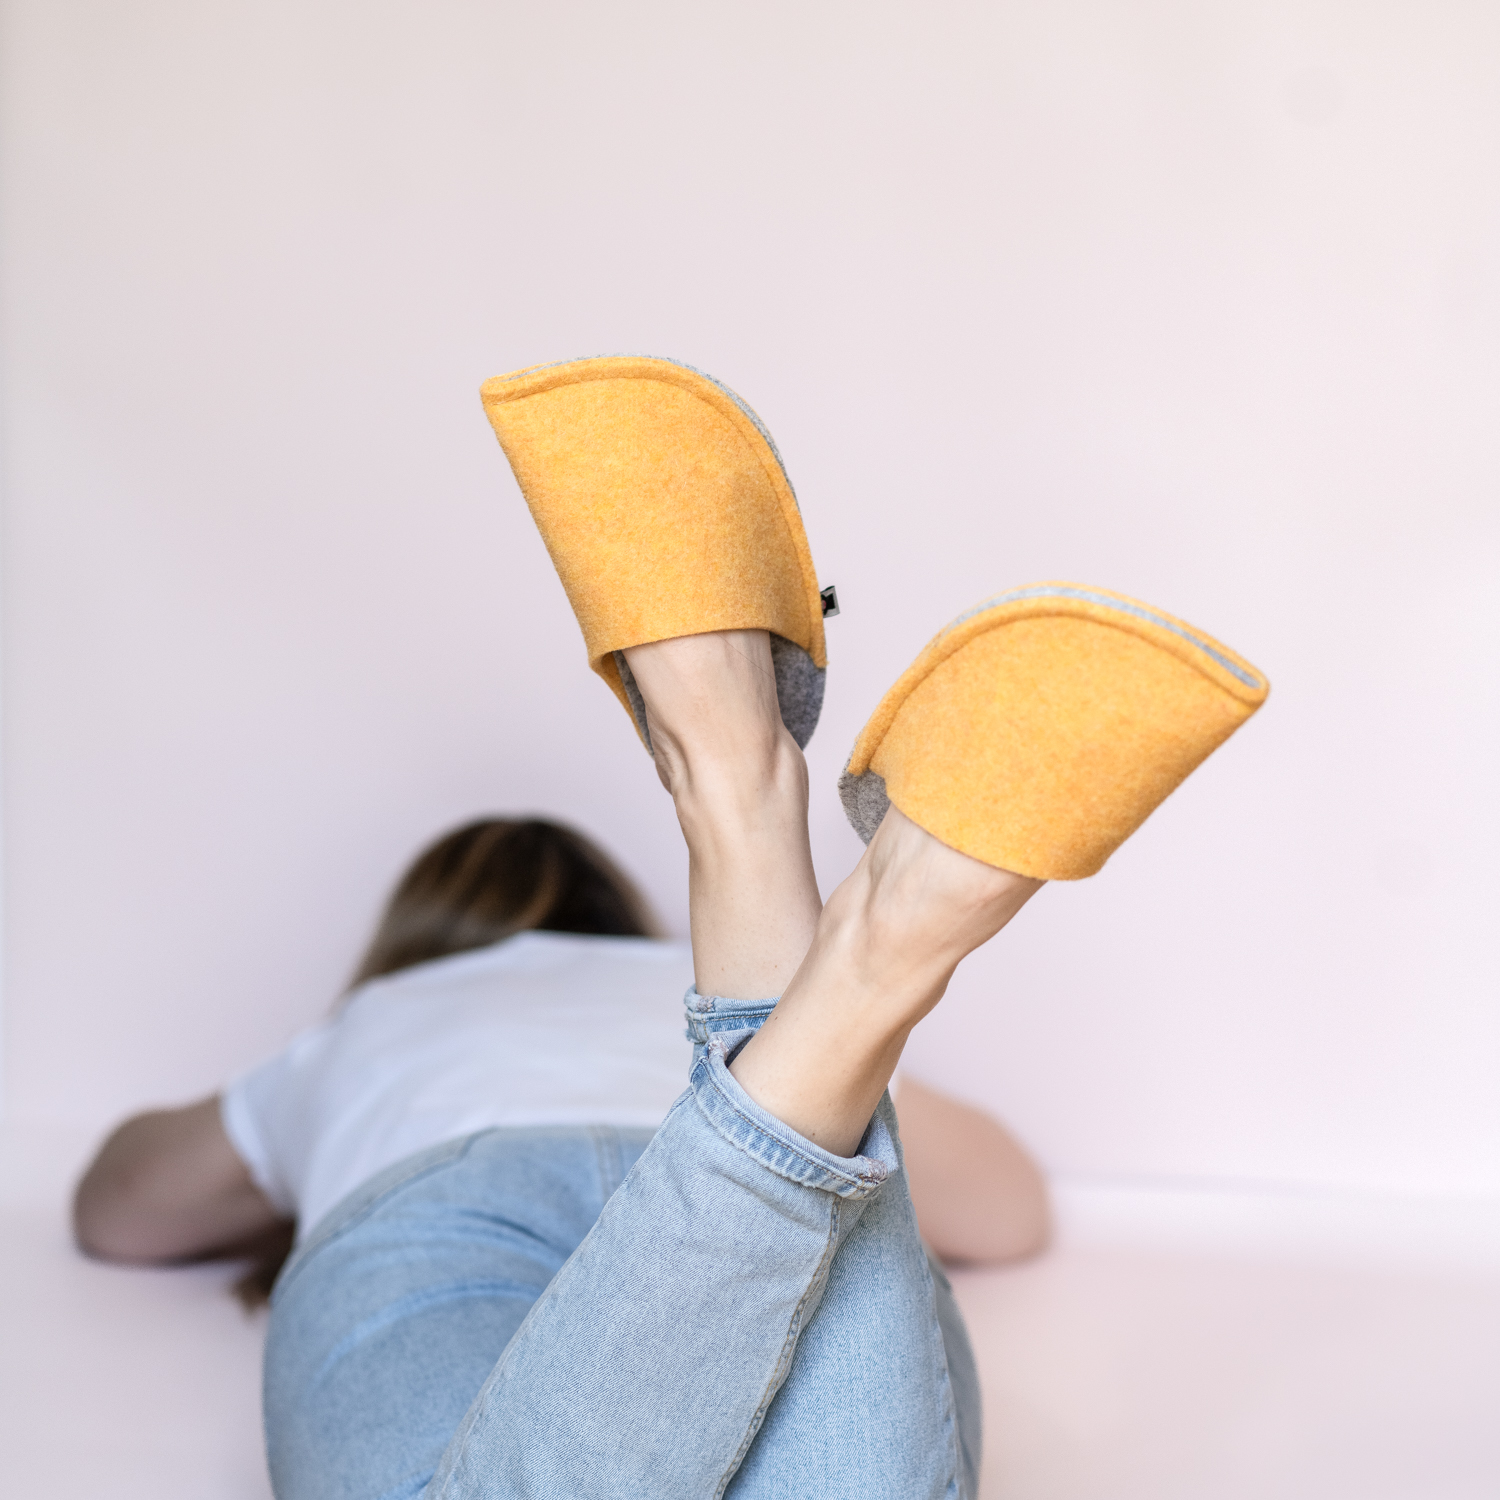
1035	733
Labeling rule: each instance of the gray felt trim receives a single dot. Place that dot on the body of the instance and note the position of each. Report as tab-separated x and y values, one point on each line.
865	802
637	703
799	688
1063	591
799	691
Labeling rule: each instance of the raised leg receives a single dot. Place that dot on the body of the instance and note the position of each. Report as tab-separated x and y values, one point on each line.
852	984
665	1356
882	955
739	784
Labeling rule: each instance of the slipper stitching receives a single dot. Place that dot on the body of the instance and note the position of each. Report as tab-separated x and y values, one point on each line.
1108	601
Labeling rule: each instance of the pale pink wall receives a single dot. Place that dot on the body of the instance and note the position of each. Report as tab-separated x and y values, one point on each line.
1201	302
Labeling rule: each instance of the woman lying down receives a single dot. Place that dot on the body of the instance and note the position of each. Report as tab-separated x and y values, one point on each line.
527	1263
513	1004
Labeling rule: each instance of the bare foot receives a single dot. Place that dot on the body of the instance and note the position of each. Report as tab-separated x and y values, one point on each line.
739	783
885	948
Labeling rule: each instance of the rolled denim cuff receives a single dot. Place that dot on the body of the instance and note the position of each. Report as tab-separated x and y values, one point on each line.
761	1136
712	1015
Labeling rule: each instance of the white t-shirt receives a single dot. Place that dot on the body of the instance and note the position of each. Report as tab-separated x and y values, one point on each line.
544	1028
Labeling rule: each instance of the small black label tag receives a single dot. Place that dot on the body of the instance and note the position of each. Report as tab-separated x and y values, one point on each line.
830	598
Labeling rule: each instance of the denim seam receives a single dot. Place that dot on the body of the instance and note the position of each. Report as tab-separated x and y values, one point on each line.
607	1164
703	1032
955	1489
703	1021
319	1241
677	1104
788	1349
865	1180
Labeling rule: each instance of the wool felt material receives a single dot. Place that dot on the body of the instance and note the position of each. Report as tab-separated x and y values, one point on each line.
1040	729
666	510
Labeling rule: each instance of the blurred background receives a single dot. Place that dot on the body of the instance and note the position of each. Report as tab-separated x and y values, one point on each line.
1197	301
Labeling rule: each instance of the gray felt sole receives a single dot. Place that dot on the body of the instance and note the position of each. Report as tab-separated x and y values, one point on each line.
799	691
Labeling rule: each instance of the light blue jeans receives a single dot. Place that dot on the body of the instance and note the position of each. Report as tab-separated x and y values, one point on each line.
720	1308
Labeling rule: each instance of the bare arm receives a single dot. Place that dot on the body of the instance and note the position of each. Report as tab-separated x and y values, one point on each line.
168	1186
979	1197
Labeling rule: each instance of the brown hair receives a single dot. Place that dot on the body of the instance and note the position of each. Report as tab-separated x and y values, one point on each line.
497	876
474	886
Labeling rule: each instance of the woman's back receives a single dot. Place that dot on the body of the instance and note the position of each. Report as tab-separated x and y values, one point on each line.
543	1028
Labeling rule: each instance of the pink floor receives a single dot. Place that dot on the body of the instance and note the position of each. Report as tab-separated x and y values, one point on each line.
1165	1363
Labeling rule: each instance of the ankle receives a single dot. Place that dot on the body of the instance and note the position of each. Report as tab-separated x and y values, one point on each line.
913	908
707	759
883	952
711	706
738	791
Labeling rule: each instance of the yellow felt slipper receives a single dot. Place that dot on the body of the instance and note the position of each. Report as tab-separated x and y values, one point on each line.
1041	728
666	510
